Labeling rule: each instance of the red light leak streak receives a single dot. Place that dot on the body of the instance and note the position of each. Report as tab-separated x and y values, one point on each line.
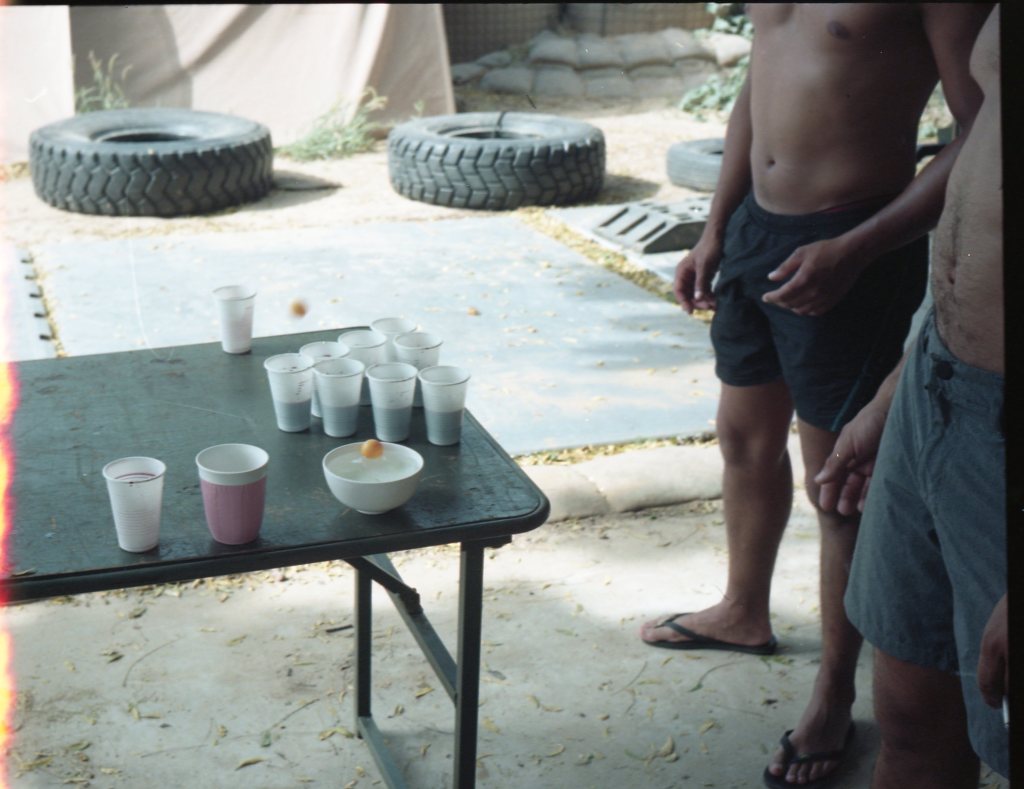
8	405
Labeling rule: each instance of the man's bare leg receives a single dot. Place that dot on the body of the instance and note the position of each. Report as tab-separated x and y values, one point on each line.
826	719
921	715
757	494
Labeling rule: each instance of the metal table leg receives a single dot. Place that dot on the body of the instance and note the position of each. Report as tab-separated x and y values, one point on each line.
460	678
467	694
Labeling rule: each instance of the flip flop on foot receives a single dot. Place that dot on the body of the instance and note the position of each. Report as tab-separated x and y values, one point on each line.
697	641
792	757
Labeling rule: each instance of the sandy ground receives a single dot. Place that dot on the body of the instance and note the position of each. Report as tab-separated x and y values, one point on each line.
247	681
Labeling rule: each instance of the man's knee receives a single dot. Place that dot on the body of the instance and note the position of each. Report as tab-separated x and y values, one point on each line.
750	448
918	709
752	424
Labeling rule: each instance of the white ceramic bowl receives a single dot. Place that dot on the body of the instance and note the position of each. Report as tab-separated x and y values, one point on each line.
373	485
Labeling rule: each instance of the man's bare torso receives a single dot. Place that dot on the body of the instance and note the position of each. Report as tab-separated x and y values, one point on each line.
967	256
837	91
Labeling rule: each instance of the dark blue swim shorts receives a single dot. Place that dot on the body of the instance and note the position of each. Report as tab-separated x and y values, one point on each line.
831	363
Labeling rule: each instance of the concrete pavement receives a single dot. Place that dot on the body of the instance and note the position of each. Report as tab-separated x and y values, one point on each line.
246	681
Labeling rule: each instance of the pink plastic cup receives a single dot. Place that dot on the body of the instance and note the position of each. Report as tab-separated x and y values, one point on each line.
233	479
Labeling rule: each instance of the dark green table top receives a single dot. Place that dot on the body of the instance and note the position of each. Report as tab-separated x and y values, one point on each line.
77	414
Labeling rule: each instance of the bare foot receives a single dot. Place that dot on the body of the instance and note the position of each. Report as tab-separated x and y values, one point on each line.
821	730
716	622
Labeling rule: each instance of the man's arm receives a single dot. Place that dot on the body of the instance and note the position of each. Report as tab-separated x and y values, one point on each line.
822	273
696	270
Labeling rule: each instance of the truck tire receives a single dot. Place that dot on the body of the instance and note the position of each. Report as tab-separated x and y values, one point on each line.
695	164
151	162
496	160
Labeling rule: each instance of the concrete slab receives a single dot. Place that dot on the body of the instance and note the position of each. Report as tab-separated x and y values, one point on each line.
22	310
563	352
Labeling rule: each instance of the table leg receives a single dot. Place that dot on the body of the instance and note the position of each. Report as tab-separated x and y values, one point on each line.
364	642
461	680
467	700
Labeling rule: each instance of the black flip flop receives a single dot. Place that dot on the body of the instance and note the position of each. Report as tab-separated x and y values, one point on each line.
697	641
792	757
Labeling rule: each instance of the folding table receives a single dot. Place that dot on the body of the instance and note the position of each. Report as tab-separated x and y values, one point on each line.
76	414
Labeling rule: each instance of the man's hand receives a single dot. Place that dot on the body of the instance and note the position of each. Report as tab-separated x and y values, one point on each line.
819	277
694	273
994	663
845	477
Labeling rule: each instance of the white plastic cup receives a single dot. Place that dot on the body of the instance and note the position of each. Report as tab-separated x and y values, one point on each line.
370	348
339	383
236	304
444	402
420	349
291	387
391	328
136	487
392	385
233	480
317	351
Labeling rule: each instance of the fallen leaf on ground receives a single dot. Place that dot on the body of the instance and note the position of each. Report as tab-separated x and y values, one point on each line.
346	733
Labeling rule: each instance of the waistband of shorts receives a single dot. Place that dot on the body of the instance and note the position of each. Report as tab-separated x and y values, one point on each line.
961	383
829	220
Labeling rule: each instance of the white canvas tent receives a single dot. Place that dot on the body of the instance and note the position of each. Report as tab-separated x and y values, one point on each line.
281	65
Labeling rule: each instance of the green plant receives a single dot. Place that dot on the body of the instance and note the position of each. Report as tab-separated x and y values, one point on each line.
717	93
335	136
105	93
730	20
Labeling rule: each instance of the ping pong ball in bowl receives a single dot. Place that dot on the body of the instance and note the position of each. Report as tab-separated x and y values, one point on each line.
371	448
373	485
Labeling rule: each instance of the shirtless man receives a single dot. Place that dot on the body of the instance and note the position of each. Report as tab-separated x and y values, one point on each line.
934	520
818	234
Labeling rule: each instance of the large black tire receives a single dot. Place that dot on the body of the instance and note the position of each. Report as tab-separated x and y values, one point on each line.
151	162
695	164
496	161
